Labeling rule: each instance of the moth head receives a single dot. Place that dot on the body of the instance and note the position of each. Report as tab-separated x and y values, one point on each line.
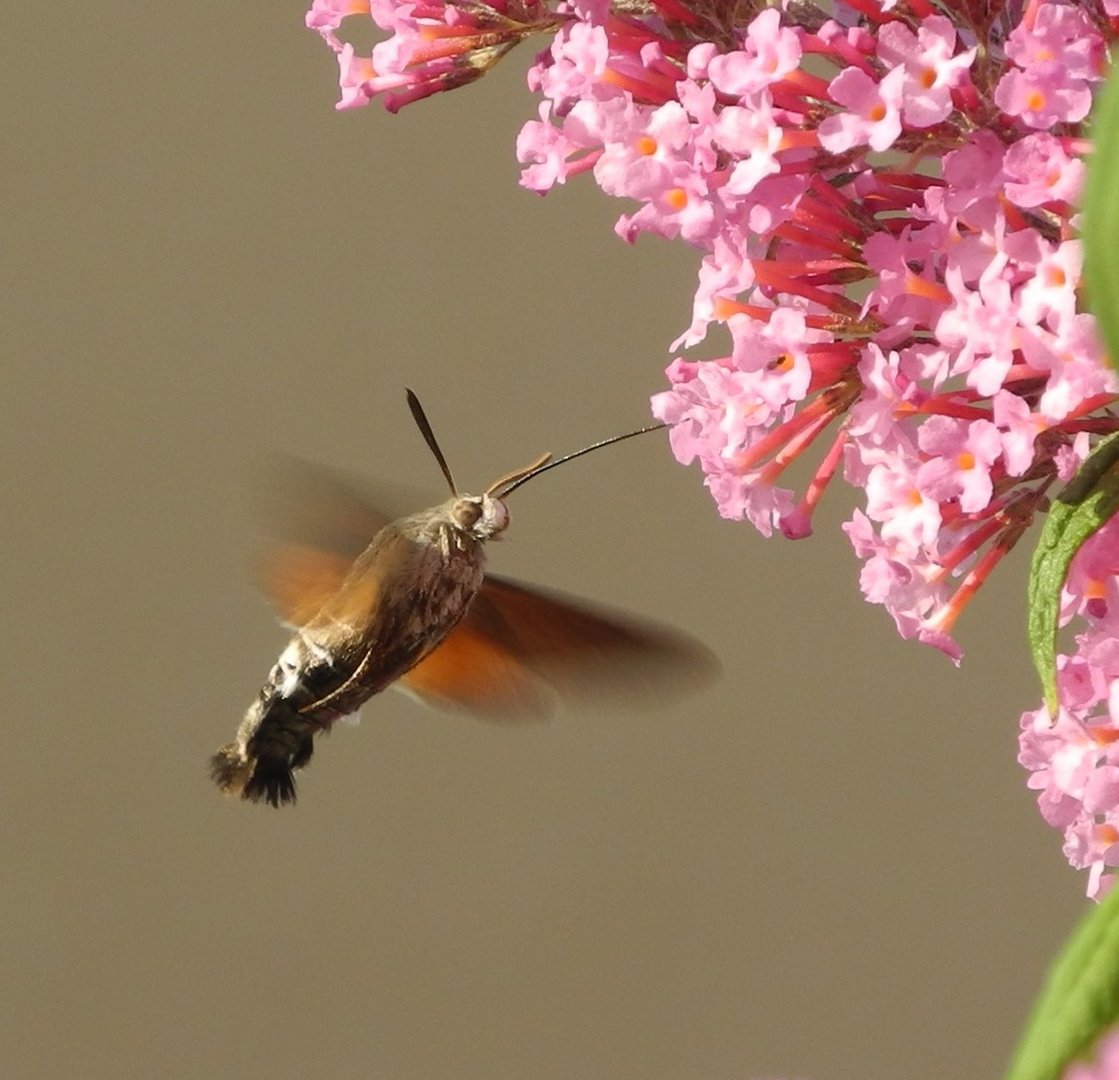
483	516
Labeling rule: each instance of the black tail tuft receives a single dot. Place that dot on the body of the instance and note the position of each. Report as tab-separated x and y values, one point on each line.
271	781
267	776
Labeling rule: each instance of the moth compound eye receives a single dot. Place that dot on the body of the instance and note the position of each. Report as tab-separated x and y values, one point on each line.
496	516
466	513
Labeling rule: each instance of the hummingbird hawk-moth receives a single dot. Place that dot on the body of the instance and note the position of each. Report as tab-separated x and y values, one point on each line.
410	605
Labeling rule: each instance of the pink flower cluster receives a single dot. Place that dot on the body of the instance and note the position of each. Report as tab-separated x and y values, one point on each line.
917	324
433	46
884	196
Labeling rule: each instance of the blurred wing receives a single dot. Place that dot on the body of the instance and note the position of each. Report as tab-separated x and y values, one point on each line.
299	580
320	522
515	644
320	507
336	596
473	672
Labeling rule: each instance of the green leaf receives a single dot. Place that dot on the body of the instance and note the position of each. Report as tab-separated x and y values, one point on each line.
1085	505
1080	999
1101	218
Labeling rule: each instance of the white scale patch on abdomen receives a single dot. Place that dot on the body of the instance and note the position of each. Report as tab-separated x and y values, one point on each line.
285	675
294	660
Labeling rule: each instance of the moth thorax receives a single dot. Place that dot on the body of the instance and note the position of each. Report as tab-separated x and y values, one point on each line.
483	516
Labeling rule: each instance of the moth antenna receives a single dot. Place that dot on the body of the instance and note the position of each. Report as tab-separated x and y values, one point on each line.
516	474
420	417
514	480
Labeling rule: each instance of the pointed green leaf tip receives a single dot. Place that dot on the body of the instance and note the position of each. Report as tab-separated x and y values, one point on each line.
1101	218
1080	999
1082	508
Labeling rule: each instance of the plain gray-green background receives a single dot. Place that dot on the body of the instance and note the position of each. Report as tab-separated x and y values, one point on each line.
827	867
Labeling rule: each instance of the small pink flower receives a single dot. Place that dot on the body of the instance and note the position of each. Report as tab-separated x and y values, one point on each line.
549	149
769	53
1072	355
775	355
1040	171
875	418
1046	297
1058	33
1041	97
982	330
899	580
905	291
960	456
579	55
1019	427
753	137
326	17
873	113
355	75
931	67
910	519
